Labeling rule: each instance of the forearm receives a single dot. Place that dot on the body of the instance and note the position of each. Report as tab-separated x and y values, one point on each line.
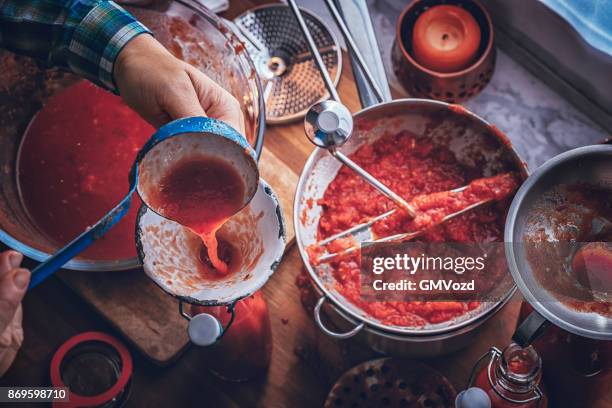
82	36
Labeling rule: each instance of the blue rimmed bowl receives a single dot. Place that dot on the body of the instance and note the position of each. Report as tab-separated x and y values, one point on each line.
26	88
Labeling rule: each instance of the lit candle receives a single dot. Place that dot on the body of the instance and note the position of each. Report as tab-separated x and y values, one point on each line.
445	39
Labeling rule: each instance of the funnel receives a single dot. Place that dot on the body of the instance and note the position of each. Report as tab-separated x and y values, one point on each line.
171	256
585	166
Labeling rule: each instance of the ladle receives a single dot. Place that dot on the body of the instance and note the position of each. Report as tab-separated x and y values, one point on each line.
329	124
199	136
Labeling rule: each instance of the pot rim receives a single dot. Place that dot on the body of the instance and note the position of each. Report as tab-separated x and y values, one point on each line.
370	322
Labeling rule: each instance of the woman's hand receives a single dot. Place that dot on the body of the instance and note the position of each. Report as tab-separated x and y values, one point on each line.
162	88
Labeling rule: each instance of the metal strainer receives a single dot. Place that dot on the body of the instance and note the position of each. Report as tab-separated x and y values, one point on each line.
292	82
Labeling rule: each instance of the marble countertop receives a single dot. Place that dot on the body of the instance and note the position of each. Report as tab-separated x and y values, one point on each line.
538	121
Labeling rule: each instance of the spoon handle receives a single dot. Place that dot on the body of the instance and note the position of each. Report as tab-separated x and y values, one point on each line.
82	242
374	182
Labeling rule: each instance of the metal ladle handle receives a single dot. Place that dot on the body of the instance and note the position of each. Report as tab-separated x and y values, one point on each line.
329	124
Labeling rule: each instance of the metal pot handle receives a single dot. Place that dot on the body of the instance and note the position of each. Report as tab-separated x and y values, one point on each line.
530	329
335	335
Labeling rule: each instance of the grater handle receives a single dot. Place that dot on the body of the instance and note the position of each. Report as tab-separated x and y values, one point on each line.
329	84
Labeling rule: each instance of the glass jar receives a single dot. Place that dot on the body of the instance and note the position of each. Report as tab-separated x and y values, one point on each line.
577	370
512	378
244	349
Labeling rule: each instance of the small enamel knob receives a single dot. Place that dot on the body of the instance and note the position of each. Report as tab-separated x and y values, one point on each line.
473	397
204	329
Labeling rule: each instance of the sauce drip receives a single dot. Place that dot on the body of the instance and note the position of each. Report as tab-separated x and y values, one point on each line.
202	193
226	253
74	164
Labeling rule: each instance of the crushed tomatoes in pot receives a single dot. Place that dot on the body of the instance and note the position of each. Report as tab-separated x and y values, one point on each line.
423	173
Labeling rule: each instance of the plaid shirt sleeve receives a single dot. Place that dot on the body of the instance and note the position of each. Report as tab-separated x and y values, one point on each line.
82	36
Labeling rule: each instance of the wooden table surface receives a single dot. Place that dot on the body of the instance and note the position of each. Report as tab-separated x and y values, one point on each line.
305	363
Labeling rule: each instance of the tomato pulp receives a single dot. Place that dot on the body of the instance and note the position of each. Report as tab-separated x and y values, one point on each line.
201	193
74	164
411	166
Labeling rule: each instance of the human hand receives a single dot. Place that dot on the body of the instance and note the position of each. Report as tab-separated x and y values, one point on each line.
162	88
13	285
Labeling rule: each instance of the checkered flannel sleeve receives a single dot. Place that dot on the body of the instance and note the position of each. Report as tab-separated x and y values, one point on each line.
82	36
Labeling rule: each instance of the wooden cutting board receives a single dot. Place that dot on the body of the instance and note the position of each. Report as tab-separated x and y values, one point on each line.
148	317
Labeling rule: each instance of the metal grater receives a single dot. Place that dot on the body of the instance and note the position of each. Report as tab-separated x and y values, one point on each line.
291	81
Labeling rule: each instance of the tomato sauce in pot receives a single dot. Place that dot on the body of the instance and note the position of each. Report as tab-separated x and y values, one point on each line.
74	164
415	168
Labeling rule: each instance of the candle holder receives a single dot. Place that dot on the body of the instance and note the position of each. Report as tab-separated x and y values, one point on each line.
453	87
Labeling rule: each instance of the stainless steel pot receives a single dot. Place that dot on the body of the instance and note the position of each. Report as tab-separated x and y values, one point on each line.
475	144
470	138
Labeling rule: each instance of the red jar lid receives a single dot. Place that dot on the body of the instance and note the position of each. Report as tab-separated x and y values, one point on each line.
95	367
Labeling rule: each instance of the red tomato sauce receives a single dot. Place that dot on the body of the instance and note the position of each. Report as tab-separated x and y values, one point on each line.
414	168
74	164
202	193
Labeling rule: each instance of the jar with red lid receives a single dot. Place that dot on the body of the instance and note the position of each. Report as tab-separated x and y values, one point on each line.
577	370
243	347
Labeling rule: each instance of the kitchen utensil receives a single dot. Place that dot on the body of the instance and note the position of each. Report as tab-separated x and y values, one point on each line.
470	138
362	232
453	87
591	165
362	31
329	124
170	254
179	26
391	382
201	135
283	61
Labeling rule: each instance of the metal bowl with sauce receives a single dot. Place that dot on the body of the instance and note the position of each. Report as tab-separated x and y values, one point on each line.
190	32
475	143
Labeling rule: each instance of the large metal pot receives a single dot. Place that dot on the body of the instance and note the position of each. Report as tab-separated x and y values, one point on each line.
470	138
206	42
